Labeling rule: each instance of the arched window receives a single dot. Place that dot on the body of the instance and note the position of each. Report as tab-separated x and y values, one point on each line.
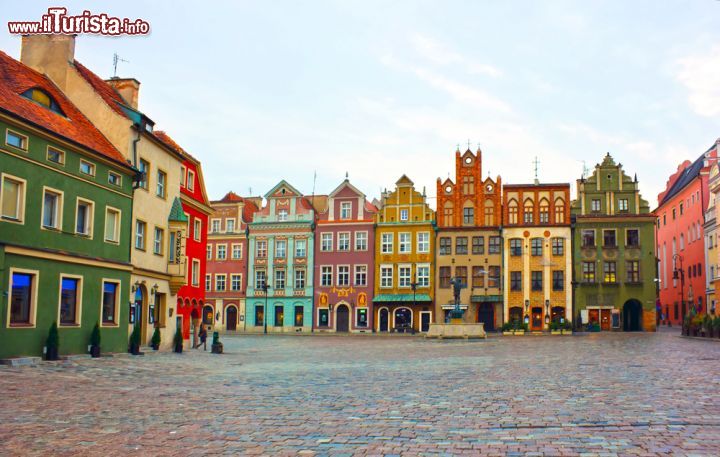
447	213
682	241
544	211
512	211
41	97
489	212
528	212
559	211
468	213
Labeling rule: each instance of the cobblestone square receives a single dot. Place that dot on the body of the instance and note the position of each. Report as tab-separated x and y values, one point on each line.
599	394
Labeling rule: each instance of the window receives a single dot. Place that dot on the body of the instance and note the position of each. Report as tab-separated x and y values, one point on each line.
361	275
16	140
84	215
558	246
344	241
468	185
423	275
300	248
280	249
609	271
462	274
445	277
183	175
536	246
423	242
208	251
52	209
345	208
478	276
215	225
260	279
112	225
70	298
544	212
461	245
489	213
558	277
633	270
588	271
235	282
588	238
230	225
445	246
468	216
559	211
109	302
195	273
140	235
361	317
478	245
261	249
494	276
144	168
236	251
282	215
386	244
43	98
404	245
208	282
221	251
299	279
23	295
323	317
220	282
160	185
326	275
403	214
512	212
494	244
386	276
259	315
197	229
609	239
299	316
158	241
528	213
55	155
326	242
404	273
623	204
515	281
87	168
681	208
595	205
343	277
13	198
279	279
516	246
361	239
536	280
114	179
191	180
632	238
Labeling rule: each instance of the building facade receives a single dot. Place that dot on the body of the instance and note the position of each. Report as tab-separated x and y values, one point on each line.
281	258
404	260
65	221
227	260
344	261
614	251
468	242
537	271
711	250
680	237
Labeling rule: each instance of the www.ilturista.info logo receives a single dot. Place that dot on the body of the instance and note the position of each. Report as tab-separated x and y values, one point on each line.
56	21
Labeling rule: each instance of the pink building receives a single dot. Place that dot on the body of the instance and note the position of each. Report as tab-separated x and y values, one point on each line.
344	261
680	238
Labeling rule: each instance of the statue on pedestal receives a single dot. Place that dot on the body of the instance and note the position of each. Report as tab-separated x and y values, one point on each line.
457	285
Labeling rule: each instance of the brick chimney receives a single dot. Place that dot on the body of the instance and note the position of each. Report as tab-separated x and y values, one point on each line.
49	54
128	88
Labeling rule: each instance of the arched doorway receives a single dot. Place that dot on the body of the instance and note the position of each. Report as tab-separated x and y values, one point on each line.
231	315
342	318
383	320
536	321
632	316
208	315
403	318
515	314
486	315
141	304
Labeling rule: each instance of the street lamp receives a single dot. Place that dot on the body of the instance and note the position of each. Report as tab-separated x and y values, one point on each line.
265	287
547	312
680	273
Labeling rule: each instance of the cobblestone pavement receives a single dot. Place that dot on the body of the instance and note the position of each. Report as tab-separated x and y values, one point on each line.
600	394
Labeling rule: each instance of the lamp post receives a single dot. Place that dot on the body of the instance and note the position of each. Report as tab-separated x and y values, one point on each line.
265	287
679	273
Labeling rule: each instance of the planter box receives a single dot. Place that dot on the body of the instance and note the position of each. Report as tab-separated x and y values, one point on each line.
567	332
556	332
508	332
519	332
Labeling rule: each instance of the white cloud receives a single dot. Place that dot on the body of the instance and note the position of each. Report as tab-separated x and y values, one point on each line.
700	74
439	54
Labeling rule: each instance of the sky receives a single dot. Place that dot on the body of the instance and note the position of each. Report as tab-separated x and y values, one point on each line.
307	91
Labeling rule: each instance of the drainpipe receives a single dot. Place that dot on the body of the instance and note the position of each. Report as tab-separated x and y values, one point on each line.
135	157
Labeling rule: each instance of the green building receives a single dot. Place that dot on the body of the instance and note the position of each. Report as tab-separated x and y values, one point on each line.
65	221
614	264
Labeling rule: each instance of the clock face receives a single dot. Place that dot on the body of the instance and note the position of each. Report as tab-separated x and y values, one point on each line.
448	189
468	160
489	187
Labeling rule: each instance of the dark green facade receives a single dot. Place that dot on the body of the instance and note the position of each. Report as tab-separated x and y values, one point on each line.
59	264
614	265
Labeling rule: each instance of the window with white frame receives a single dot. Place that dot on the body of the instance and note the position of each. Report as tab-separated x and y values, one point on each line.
361	275
343	277
299	279
208	282
326	276
261	249
191	180
280	249
300	248
423	241
87	168
221	251
279	278
237	251
209	249
386	276
112	225
423	275
158	241
326	242
260	278
403	214
235	282
144	169
55	155
160	185
404	275
345	210
52	209
220	282
114	179
215	224
282	215
16	140
386	243
230	225
404	244
344	241
361	240
140	234
13	199
197	230
195	273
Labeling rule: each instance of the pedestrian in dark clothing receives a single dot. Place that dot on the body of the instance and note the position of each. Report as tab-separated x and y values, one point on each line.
203	338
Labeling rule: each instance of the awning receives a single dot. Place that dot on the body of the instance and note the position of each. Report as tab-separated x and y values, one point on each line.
390	298
486	298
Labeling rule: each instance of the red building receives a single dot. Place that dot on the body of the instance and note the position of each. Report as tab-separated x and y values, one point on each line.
680	238
195	206
227	259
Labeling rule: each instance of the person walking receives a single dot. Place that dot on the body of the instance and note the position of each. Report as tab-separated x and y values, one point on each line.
203	338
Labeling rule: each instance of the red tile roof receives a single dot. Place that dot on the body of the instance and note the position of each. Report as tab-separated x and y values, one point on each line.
230	197
169	142
103	89
16	78
249	209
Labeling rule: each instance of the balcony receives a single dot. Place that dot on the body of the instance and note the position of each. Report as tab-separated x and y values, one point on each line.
178	273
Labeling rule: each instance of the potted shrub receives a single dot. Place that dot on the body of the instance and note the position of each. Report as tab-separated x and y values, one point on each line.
555	328
134	348
52	345
178	341
567	328
155	341
217	346
507	328
520	328
95	341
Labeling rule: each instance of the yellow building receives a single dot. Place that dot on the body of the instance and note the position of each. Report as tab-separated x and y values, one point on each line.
404	260
712	253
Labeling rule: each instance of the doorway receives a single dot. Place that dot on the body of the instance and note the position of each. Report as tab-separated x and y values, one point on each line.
403	319
279	315
231	319
605	315
632	316
342	319
383	320
425	317
536	323
486	315
141	312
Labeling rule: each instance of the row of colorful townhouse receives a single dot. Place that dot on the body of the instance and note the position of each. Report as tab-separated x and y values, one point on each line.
525	252
102	218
